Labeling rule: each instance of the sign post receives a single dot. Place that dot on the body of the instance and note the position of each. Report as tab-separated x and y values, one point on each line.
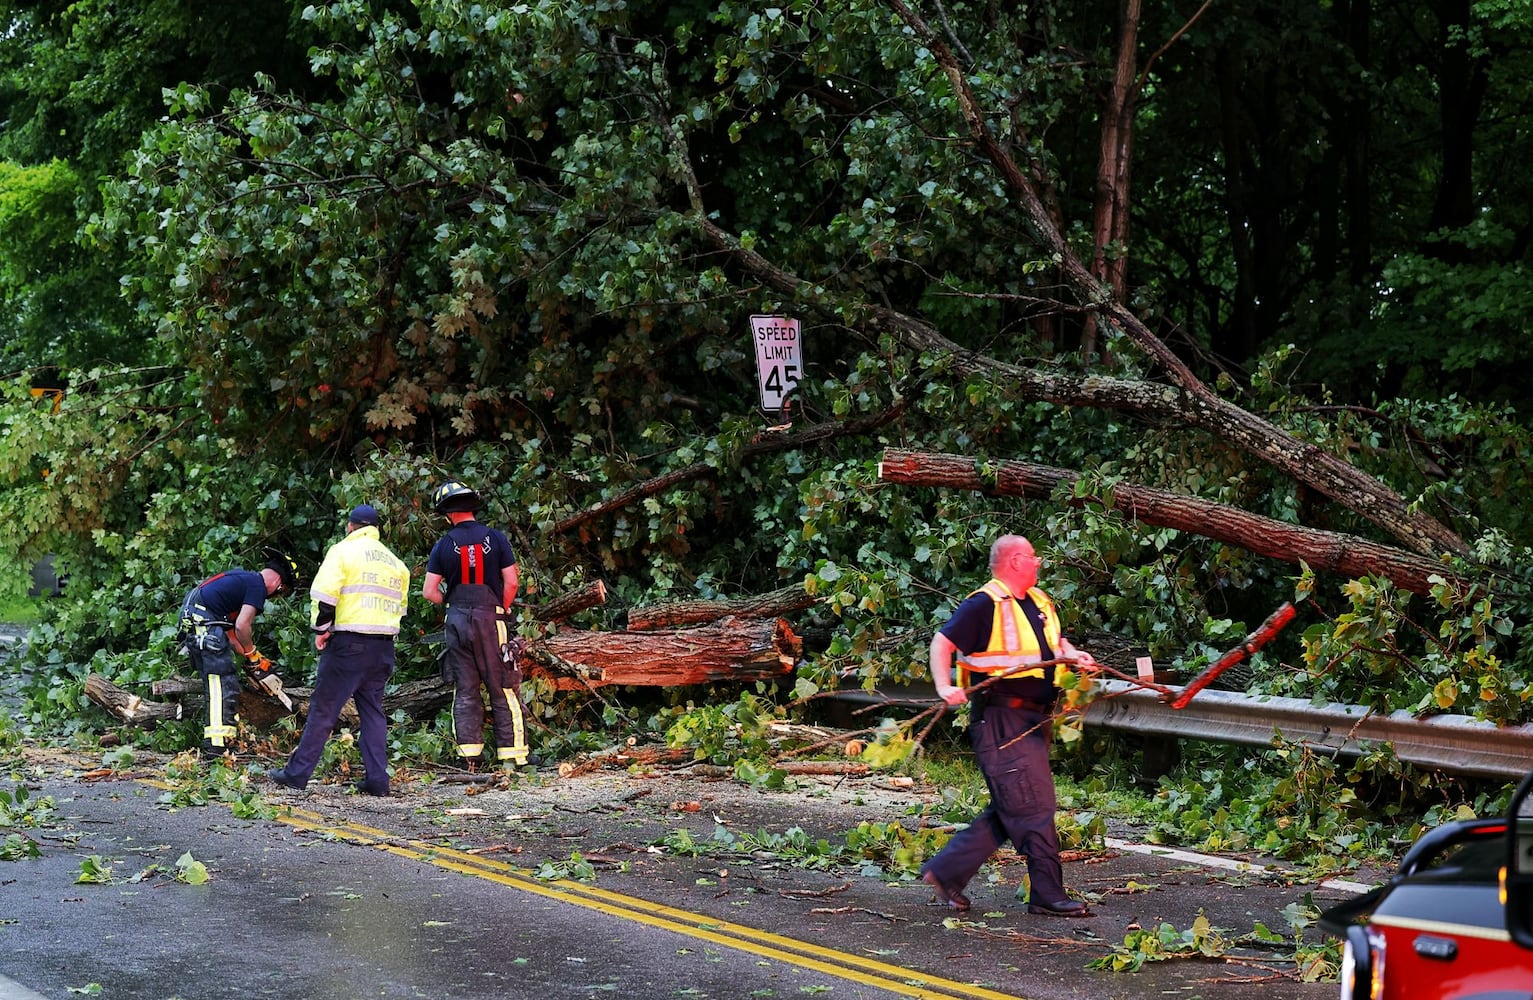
779	359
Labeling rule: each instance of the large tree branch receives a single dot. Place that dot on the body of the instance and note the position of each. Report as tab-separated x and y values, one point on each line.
760	446
679	614
1330	551
1339	480
1343	483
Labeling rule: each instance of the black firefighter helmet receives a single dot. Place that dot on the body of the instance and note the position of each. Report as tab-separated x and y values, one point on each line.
453	496
285	568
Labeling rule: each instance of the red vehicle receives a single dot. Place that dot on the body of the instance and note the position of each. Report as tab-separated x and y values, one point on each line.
1454	923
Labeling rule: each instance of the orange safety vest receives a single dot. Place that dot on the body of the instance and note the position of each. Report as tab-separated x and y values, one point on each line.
1013	643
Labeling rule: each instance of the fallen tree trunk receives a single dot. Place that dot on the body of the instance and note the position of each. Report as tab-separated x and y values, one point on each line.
419	699
572	603
1188	400
129	707
731	649
679	614
176	686
256	708
726	651
1192	400
1322	550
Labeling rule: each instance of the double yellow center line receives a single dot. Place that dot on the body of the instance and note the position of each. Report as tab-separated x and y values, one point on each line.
791	951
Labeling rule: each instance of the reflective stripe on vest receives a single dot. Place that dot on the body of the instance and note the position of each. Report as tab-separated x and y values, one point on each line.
364	581
1012	640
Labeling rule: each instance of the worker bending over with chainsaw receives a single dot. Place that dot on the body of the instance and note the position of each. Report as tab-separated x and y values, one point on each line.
1007	627
217	623
472	569
356	601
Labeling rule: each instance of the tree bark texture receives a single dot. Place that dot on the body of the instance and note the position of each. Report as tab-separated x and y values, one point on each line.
1329	551
680	614
731	649
560	608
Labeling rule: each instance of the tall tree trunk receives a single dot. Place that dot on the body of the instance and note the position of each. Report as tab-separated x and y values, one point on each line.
1358	139
1110	216
1461	83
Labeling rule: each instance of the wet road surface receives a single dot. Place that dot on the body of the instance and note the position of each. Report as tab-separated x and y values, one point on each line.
346	897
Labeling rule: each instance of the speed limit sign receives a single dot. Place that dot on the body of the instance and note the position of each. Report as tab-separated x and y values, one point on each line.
779	359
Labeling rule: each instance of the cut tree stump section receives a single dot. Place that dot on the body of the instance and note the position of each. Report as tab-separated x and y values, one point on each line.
255	709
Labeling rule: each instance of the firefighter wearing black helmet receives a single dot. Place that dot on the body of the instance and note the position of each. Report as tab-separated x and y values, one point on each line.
472	570
217	622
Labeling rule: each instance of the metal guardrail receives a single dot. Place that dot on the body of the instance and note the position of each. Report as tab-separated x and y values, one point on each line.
1457	744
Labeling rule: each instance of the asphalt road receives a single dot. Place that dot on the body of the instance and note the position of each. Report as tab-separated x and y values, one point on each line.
432	894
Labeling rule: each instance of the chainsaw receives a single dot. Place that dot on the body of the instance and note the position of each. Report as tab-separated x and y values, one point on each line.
260	670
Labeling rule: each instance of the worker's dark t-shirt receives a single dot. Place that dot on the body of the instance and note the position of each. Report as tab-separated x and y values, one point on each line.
480	550
222	598
969	630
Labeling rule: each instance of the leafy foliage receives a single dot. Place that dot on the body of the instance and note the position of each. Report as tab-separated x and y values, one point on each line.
19	811
94	870
192	784
514	246
63	309
1162	942
575	867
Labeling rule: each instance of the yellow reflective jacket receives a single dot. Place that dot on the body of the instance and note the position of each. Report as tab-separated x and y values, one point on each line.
365	581
1013	643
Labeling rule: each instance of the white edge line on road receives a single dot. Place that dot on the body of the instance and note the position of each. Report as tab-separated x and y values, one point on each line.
1214	861
10	989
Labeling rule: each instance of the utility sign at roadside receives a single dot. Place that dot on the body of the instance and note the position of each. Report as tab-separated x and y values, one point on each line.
779	359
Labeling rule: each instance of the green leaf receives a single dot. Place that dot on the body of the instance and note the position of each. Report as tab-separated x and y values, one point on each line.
190	870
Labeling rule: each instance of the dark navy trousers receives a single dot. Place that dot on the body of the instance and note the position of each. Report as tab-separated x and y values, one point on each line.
355	667
1011	746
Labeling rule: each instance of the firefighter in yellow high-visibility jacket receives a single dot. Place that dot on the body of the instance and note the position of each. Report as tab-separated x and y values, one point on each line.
357	599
